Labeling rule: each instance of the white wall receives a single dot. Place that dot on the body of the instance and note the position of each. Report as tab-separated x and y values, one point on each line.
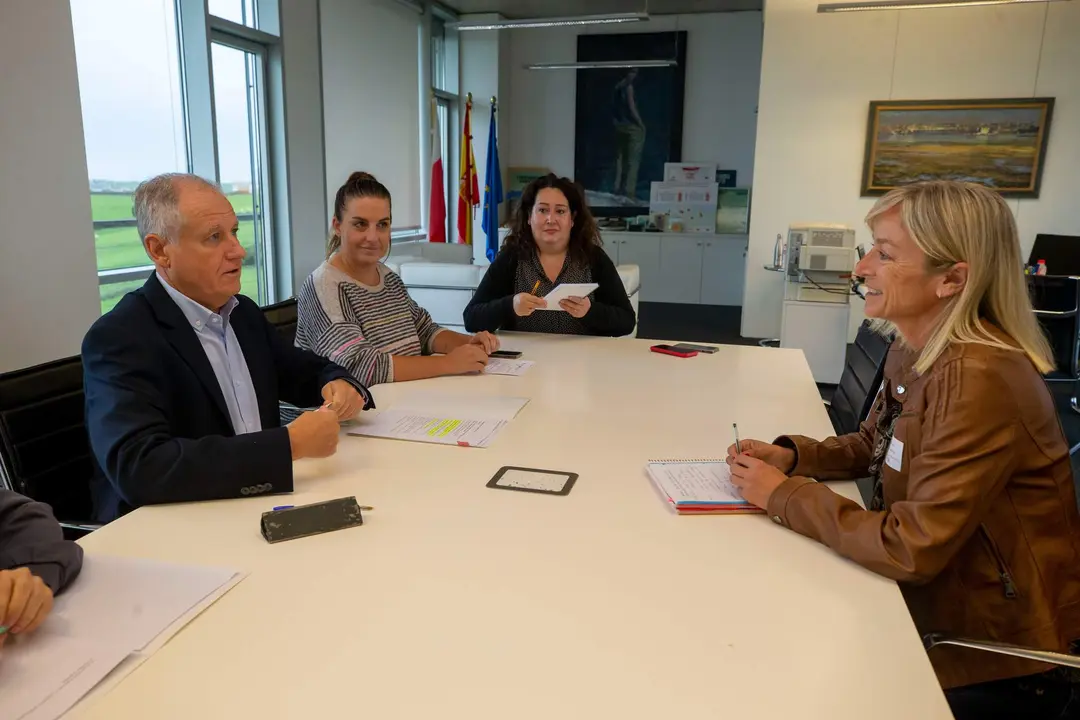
819	73
370	73
48	270
305	153
723	63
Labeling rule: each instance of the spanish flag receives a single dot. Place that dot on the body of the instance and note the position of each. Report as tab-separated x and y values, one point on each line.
468	183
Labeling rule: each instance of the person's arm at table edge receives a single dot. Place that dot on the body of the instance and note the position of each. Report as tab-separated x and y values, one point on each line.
131	439
950	486
31	537
492	305
302	374
844	457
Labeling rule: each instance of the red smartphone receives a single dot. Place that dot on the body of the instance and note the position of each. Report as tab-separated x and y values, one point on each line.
669	350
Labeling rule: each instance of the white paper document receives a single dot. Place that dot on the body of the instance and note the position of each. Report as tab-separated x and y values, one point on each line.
488	407
136	601
695	482
43	680
444	419
565	291
501	366
404	425
116	608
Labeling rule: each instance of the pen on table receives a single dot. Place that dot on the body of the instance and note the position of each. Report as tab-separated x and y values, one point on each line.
365	508
738	445
535	288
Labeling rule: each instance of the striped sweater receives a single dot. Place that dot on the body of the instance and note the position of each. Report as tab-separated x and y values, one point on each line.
361	326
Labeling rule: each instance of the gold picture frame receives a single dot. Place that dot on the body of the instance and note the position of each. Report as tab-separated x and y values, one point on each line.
1000	143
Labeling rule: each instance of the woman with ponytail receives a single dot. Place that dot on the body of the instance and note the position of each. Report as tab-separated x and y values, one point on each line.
356	311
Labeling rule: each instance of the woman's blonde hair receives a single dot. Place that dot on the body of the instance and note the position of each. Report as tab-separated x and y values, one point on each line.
956	222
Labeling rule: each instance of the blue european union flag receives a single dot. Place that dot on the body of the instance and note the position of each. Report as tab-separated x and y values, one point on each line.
493	191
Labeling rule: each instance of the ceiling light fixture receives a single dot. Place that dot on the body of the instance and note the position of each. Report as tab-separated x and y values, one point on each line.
915	4
602	64
548	22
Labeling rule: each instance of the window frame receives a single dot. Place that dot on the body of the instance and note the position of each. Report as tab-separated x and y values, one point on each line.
196	31
259	136
445	93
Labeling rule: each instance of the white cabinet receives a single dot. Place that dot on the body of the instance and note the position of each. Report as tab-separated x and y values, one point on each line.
683	267
644	251
611	247
641	249
680	270
820	330
723	270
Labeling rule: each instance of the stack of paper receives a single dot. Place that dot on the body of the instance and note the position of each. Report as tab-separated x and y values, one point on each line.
462	420
118	608
698	487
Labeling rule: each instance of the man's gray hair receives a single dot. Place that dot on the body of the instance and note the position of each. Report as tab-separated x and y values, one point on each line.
156	208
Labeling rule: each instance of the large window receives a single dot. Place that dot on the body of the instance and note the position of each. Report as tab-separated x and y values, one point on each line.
240	112
145	112
241	12
133	120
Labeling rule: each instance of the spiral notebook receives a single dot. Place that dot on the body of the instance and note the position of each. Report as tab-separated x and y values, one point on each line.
699	486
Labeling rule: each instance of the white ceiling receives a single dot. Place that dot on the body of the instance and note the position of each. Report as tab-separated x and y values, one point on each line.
514	9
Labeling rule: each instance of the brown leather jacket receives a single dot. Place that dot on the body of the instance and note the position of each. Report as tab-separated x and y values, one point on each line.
980	525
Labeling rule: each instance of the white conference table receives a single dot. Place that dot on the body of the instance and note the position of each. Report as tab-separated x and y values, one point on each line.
454	600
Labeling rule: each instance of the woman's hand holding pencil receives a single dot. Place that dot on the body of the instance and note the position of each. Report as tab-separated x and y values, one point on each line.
525	304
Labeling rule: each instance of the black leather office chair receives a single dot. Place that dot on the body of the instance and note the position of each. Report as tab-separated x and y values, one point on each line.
283	316
863	368
44	447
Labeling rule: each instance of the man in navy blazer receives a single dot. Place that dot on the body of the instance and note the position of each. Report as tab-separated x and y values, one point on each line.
183	376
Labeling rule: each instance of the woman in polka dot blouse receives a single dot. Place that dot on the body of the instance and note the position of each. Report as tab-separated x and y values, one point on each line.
553	241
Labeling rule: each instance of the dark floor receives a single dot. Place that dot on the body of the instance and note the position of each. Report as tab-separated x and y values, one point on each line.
720	324
691	323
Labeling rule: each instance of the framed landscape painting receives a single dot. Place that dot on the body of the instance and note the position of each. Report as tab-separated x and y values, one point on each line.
999	143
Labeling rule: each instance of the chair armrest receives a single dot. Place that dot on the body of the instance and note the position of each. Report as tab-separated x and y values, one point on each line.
1055	658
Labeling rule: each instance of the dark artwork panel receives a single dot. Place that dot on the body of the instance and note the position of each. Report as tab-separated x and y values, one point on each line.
629	120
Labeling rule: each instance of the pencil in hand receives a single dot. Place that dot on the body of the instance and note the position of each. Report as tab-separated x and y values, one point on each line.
535	288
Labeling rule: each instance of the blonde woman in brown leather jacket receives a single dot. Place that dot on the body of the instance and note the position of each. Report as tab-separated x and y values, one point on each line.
974	511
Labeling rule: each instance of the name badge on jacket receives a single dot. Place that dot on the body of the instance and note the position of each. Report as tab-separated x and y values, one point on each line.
894	458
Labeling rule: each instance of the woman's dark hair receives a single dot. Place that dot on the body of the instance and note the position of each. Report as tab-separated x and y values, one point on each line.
584	237
359	185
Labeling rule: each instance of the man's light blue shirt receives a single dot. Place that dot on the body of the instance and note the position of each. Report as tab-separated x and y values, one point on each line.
218	340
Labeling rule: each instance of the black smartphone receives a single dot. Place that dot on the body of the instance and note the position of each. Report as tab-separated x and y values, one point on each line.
506	354
690	347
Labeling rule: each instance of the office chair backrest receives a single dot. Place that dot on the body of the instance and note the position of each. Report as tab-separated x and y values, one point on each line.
283	316
863	368
44	447
1074	460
